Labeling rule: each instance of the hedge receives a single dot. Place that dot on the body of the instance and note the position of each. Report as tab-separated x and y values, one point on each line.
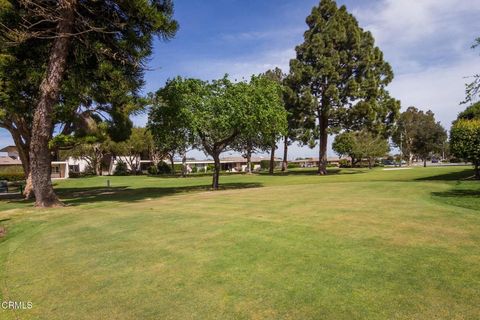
12	176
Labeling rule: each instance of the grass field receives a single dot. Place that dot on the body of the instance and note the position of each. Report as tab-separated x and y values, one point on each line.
356	244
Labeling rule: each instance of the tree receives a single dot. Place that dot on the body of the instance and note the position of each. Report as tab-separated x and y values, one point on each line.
140	142
92	151
219	112
465	141
404	133
168	122
472	112
110	37
342	74
343	145
369	146
429	137
361	145
267	116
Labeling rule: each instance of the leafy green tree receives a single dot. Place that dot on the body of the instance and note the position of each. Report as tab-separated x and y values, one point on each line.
472	112
111	38
343	145
131	150
339	76
465	142
217	113
405	130
369	146
361	145
429	138
92	151
168	122
267	115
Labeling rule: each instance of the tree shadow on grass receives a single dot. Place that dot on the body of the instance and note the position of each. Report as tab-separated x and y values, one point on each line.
79	196
314	172
452	176
464	198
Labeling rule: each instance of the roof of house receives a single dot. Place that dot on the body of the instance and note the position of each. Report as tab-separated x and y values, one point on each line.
8	161
242	159
9	149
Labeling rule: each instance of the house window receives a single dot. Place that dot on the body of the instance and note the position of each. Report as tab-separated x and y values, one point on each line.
56	169
74	168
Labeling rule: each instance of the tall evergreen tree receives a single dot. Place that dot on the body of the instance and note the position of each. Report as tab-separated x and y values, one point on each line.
342	74
114	37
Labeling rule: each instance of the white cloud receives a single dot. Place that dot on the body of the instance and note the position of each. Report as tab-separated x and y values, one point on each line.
440	89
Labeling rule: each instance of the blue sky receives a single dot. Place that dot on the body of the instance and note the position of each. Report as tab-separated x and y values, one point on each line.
427	42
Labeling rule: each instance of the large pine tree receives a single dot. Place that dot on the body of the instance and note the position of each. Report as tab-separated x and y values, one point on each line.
339	77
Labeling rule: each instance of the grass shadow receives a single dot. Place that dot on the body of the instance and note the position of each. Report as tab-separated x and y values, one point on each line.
314	172
464	198
79	196
452	176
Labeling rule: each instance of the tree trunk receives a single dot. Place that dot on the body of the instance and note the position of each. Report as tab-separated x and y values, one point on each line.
23	152
42	128
285	154
425	163
272	159
184	164
410	159
477	170
172	164
369	163
249	161
322	156
216	172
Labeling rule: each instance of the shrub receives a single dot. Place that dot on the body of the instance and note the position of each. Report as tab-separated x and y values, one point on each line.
163	168
293	165
210	167
194	169
265	164
121	169
344	163
153	170
19	176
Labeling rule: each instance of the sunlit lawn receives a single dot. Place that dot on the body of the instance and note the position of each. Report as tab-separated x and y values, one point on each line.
356	244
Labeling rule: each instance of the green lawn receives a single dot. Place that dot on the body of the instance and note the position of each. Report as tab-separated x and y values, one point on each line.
356	244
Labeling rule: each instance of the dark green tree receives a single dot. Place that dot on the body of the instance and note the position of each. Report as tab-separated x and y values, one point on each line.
343	74
111	38
472	112
465	141
429	137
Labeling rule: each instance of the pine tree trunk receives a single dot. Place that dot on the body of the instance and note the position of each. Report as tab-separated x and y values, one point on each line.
272	159
42	128
285	154
216	172
322	156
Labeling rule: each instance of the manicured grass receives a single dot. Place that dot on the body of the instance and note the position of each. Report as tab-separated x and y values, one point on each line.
356	244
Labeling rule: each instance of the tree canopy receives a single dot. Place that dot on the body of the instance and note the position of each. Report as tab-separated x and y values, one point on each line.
465	141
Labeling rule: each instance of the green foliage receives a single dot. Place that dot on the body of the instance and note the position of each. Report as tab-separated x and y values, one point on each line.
339	77
360	145
121	169
12	176
344	143
472	112
293	165
465	141
164	168
153	170
265	164
419	134
344	163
